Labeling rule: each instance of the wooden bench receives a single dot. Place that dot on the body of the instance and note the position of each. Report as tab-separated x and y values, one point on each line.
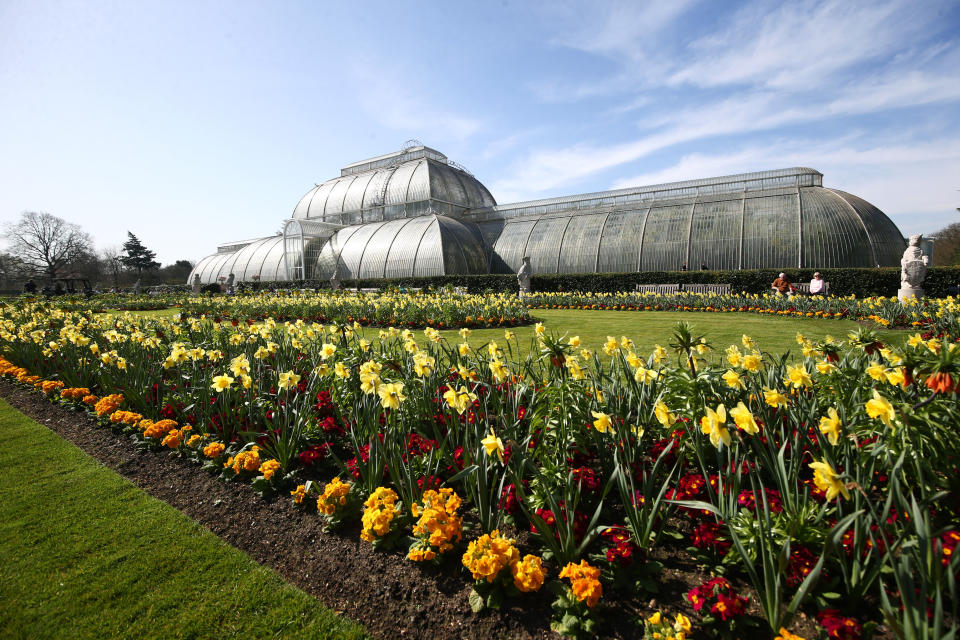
658	288
804	288
720	289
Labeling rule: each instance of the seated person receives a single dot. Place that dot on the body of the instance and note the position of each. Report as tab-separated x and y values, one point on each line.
817	284
781	285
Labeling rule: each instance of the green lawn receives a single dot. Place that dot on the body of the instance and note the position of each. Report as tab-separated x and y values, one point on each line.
775	334
85	554
648	328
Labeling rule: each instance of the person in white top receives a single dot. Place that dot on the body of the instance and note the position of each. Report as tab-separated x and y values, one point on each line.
816	285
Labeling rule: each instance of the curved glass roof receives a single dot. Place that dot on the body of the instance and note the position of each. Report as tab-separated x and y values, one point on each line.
428	245
799	226
259	260
381	188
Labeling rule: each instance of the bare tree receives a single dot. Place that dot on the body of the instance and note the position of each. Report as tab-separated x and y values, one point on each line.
111	257
47	244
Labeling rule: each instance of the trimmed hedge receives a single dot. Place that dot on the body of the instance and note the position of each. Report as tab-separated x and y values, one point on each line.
940	281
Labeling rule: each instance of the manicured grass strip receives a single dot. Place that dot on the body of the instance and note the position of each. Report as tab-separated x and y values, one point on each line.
86	554
775	334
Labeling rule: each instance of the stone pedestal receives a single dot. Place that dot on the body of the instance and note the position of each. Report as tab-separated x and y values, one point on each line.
909	292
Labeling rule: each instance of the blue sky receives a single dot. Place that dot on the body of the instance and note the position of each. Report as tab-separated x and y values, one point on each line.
195	123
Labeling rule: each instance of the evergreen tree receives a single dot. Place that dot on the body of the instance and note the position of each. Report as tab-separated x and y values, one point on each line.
138	256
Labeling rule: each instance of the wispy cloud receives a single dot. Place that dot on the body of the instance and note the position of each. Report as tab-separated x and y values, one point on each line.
389	98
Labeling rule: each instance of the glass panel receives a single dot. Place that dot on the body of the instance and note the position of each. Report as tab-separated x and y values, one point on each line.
665	237
770	229
419	188
403	251
620	244
373	197
351	254
512	242
544	244
273	265
832	234
302	208
378	248
399	182
429	261
319	200
715	236
337	194
888	242
354	198
578	250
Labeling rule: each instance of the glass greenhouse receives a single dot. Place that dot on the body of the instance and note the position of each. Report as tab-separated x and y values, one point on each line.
415	213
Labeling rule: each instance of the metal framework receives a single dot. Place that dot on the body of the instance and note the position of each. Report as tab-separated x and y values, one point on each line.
415	213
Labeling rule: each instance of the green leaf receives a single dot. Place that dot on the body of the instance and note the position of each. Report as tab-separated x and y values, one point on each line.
476	601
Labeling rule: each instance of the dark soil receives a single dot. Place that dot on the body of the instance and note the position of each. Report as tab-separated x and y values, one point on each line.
390	595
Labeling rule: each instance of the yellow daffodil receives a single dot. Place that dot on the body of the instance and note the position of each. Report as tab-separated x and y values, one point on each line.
288	380
744	419
880	408
221	382
733	379
663	414
827	480
714	425
602	422
391	395
830	426
493	445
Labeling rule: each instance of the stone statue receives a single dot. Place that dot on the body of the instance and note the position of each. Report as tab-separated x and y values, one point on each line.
913	269
523	276
335	278
137	288
230	284
196	283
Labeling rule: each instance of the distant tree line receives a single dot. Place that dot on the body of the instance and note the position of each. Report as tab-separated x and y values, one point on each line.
44	248
946	246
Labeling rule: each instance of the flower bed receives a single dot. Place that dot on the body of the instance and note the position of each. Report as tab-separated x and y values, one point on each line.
939	314
438	310
826	484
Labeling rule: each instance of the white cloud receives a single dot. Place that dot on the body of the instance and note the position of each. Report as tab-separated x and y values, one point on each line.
401	106
801	45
